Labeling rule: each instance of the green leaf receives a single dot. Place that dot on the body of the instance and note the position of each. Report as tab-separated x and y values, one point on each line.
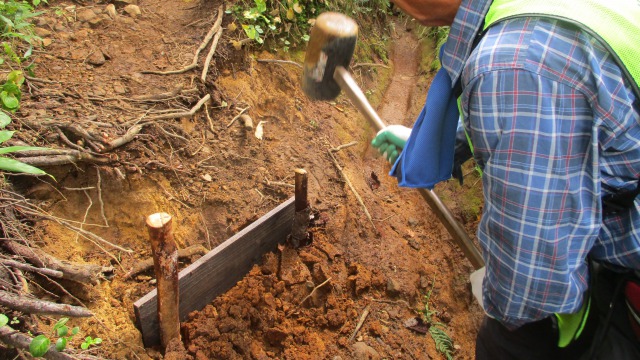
12	165
75	330
62	331
7	21
5	135
12	88
9	100
28	52
250	30
61	344
4	320
39	346
97	341
16	77
84	345
261	5
61	322
12	149
4	120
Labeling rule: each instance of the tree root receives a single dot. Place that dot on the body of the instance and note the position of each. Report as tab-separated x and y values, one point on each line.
148	263
85	274
207	61
34	306
214	29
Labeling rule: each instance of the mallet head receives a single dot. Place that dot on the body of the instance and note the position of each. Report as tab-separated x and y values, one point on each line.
331	44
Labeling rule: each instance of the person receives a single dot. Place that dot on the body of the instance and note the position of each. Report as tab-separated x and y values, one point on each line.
553	117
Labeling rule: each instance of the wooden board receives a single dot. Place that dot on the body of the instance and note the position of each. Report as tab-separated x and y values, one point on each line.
218	270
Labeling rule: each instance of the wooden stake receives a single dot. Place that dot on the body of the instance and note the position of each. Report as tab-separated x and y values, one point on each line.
165	261
299	233
301	189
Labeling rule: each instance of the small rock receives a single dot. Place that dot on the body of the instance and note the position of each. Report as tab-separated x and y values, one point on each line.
393	287
42	32
362	351
132	10
119	88
126	20
276	336
97	58
414	244
96	22
85	15
126	2
207	178
111	11
46	42
413	222
424	282
292	270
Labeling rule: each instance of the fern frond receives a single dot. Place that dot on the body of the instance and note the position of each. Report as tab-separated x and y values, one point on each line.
444	344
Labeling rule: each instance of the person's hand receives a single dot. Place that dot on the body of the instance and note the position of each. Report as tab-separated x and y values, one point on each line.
391	140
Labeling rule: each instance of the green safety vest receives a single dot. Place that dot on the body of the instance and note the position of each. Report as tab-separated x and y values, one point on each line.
616	23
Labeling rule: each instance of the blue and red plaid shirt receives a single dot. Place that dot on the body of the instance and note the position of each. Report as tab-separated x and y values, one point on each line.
554	128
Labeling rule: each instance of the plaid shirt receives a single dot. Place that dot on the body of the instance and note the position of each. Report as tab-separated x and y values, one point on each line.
554	128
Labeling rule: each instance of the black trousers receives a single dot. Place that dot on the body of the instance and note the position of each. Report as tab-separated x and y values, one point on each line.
537	340
606	336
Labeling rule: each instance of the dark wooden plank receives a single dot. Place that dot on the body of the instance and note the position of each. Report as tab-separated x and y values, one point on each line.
218	270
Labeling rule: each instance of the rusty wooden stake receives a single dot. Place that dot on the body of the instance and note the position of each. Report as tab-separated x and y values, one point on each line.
299	233
165	263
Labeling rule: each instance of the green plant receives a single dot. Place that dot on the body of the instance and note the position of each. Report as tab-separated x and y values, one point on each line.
13	19
283	23
444	343
40	344
88	341
17	33
14	165
10	92
4	320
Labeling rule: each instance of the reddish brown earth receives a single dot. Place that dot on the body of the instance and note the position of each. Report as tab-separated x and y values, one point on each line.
215	177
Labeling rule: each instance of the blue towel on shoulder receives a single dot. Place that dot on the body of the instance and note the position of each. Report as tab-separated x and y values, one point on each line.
427	158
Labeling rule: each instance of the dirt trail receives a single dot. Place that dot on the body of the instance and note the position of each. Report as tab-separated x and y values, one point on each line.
398	105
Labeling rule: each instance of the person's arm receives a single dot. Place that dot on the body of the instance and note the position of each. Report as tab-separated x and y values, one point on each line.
533	137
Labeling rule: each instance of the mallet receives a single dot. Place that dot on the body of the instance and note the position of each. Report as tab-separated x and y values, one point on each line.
330	49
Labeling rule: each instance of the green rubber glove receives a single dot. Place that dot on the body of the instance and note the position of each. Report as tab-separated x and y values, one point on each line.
391	140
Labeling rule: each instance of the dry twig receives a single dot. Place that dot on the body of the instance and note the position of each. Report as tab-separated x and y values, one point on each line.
279	62
314	290
344	146
353	189
238	116
25	267
363	317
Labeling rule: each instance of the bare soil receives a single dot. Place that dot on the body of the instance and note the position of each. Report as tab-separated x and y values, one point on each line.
215	177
